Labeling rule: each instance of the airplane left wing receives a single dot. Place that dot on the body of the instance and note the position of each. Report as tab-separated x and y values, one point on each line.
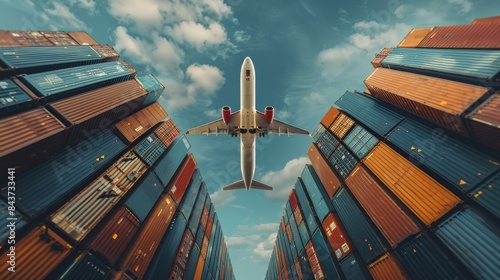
218	126
277	127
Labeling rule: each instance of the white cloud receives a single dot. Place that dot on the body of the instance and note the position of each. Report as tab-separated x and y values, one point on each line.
271	227
283	180
342	11
212	113
243	227
222	198
67	18
282	114
241	241
218	8
368	25
241	36
144	14
198	35
264	249
464	5
85	4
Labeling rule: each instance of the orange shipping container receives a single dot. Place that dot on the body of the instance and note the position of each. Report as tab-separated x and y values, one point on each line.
474	36
341	125
135	125
204	247
36	255
178	185
337	236
425	197
142	250
376	62
298	215
414	37
285	267
167	132
314	262
437	100
293	199
289	232
330	116
387	267
392	222
210	225
495	19
484	122
298	269
199	268
82	38
325	173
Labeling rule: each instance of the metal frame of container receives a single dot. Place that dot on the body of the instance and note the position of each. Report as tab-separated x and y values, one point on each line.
139	123
146	193
328	264
473	36
484	121
341	125
45	184
329	179
380	56
84	211
195	218
167	132
86	266
423	195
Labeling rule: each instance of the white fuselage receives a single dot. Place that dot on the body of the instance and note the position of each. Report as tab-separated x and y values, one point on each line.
247	121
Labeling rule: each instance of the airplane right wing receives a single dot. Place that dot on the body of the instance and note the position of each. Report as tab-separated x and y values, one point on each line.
277	127
218	126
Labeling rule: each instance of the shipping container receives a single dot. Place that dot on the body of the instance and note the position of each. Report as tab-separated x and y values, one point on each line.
106	52
474	240
187	205
177	187
194	220
116	233
209	228
130	68
199	268
327	143
329	180
318	132
445	106
488	195
59	38
167	165
337	236
176	273
317	270
192	262
293	200
364	235
137	258
495	19
425	197
328	264
120	275
369	111
86	266
152	86
305	206
13	99
329	116
28	138
360	141
139	123
82	38
200	235
297	213
36	255
150	149
387	267
57	84
144	195
343	161
28	60
47	183
305	236
341	125
204	218
167	132
414	37
299	246
99	108
462	166
7	40
484	122
288	211
392	222
354	269
474	36
320	200
28	38
304	265
422	258
467	65
380	56
84	211
164	257
7	217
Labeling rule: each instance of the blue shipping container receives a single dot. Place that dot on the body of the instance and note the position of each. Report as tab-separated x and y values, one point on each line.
327	143
167	166
5	222
343	161
164	257
296	235
150	149
58	84
368	242
461	165
194	220
360	141
353	268
319	198
36	59
200	233
50	181
475	241
189	198
305	206
318	132
481	64
325	258
12	98
86	266
369	111
192	262
488	195
145	195
152	86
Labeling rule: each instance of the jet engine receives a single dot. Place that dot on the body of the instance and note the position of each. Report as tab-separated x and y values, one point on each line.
269	114
226	114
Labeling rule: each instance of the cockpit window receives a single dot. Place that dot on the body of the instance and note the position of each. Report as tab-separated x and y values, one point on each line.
248	73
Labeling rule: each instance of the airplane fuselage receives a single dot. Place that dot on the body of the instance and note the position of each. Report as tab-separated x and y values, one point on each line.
247	121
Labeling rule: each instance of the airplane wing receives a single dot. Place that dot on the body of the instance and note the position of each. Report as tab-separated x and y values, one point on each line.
218	126
277	127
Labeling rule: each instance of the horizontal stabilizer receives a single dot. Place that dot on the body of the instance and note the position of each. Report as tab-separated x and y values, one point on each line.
234	186
258	185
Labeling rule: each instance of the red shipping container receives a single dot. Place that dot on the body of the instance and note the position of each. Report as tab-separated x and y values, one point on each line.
7	40
394	224
330	116
289	232
285	267
116	234
142	250
495	19
178	185
184	249
167	132
387	267
474	36
29	38
176	273
298	269
337	236
325	173
208	229
293	199
484	122
314	262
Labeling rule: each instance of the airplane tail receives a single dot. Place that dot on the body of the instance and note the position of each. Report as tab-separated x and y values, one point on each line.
241	185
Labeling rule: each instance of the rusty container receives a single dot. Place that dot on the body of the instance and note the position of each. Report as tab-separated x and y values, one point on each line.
137	124
330	116
83	38
337	236
387	267
484	122
474	36
414	37
376	62
325	173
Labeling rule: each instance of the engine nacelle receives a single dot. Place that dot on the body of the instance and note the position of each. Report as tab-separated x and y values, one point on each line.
269	114
226	114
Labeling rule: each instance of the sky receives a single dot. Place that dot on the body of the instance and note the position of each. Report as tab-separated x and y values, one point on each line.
306	55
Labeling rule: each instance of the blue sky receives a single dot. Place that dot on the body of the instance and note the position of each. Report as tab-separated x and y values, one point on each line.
306	54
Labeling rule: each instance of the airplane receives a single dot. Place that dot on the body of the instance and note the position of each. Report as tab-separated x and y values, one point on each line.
247	123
